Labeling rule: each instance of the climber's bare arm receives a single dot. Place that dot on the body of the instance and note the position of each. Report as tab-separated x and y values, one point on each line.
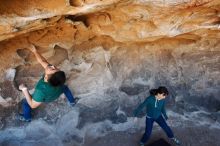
32	103
38	56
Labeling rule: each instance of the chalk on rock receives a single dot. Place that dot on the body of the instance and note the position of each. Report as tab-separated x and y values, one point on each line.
10	74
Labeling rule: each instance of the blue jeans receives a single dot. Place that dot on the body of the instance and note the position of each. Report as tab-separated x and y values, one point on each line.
68	94
149	126
27	109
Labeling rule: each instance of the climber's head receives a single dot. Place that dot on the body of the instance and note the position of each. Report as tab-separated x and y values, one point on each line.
56	77
50	69
161	92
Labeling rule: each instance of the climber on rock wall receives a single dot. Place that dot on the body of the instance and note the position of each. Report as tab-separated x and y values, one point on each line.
155	112
49	87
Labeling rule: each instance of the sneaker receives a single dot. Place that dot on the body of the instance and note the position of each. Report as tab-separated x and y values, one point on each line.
76	99
176	141
73	103
21	118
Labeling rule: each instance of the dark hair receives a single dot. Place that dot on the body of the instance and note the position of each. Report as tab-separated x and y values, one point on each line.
153	91
160	90
57	79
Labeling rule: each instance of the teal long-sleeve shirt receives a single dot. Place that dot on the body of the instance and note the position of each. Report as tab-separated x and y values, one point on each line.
154	107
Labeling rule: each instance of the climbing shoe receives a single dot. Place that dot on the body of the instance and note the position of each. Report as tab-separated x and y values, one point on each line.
21	118
175	140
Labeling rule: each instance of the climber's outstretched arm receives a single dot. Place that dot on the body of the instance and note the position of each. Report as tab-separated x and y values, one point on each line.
38	56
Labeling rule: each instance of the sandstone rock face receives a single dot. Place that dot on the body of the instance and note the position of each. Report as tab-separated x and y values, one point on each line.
113	52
